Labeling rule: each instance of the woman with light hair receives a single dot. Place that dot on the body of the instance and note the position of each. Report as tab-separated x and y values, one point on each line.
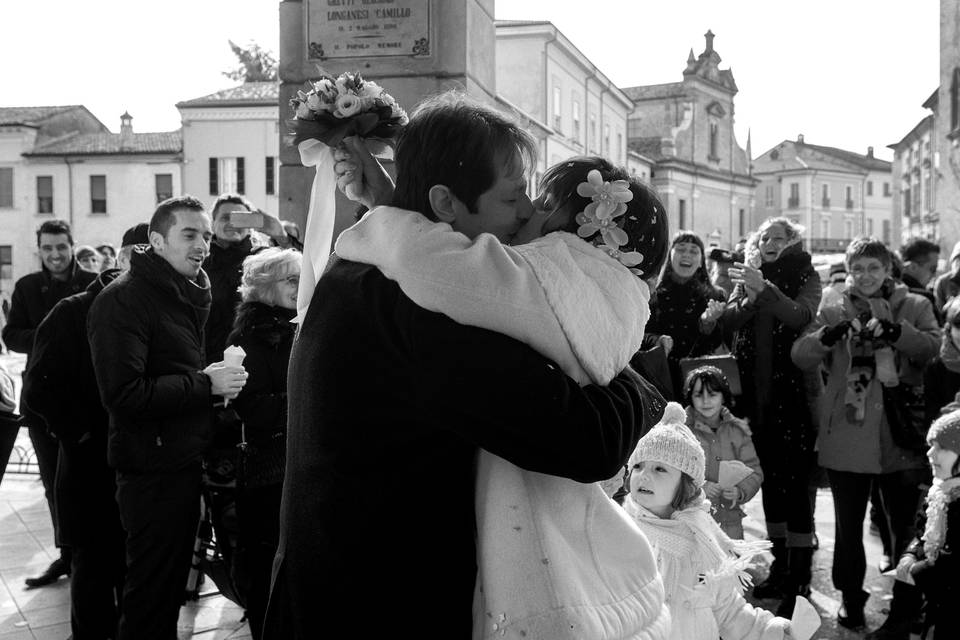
776	296
263	328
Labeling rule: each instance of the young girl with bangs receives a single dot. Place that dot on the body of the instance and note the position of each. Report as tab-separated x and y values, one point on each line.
724	437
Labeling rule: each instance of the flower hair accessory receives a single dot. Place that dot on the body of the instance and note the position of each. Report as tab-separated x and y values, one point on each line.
609	202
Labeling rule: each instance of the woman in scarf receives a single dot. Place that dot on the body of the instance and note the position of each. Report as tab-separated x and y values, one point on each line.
776	297
942	377
686	306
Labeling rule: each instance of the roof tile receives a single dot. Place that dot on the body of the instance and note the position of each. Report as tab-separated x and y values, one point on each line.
111	144
246	93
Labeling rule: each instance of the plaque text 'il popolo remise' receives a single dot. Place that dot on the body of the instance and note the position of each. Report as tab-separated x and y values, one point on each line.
368	28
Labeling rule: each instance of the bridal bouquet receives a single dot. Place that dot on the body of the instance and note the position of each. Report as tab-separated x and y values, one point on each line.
334	108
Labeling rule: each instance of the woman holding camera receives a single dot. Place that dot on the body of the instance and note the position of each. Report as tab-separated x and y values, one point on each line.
874	343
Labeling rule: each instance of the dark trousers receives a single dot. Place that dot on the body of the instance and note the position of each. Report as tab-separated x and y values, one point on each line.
96	588
787	508
258	511
9	428
160	513
47	450
89	521
900	497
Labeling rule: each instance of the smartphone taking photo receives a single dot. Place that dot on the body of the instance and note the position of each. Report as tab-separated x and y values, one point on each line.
242	220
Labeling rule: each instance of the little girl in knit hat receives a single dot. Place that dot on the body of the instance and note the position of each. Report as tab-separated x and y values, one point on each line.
932	562
703	571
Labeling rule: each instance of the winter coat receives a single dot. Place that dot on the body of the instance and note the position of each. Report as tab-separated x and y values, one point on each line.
265	333
941	379
774	397
146	337
702	577
675	311
224	268
63	387
947	285
388	405
865	445
34	296
937	577
731	441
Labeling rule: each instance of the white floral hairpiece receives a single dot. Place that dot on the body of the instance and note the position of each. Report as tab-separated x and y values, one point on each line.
609	201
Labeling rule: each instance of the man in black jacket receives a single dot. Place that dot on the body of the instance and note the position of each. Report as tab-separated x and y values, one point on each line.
146	338
33	297
229	247
63	388
388	404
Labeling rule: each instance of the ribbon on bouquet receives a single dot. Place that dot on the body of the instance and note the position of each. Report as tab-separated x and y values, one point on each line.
320	220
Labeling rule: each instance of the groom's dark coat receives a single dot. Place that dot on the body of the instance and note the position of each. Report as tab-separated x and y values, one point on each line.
388	404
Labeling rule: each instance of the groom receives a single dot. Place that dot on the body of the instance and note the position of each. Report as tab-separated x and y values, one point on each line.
389	404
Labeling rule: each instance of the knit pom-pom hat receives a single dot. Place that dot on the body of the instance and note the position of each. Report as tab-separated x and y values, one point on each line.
945	431
671	442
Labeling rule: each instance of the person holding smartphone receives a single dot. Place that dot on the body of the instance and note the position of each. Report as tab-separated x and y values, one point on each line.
233	219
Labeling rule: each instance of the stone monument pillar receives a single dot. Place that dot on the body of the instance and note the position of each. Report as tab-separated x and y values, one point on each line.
412	48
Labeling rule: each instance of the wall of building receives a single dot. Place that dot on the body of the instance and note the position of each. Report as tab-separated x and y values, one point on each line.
947	142
221	132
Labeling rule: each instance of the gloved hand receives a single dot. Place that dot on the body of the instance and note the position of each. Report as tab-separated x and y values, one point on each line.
832	335
885	330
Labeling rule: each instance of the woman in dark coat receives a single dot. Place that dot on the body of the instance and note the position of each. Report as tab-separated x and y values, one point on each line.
777	295
263	329
686	306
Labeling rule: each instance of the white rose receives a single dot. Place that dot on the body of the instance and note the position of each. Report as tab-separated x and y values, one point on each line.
371	90
313	101
348	105
303	112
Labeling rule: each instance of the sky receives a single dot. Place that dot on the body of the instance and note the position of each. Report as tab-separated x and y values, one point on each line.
845	73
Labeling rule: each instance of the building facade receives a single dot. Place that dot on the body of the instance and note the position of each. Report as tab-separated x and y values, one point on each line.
836	194
686	130
915	170
946	128
231	140
572	108
62	162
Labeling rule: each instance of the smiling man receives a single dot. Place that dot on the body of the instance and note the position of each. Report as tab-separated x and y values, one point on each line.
389	403
146	339
33	297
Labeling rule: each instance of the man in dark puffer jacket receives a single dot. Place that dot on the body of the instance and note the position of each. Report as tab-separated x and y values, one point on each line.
146	337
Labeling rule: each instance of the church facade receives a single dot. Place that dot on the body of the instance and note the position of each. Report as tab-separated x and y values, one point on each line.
686	131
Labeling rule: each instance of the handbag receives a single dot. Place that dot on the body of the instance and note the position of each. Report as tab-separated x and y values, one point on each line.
906	412
654	367
261	464
727	363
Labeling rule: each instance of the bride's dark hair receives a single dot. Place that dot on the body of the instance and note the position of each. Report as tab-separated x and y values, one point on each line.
645	221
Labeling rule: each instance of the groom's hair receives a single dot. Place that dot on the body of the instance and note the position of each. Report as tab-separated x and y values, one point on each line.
457	142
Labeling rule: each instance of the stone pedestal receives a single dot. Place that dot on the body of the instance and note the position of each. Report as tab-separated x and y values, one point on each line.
411	48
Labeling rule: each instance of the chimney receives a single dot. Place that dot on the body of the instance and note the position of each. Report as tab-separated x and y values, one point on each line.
126	130
709	38
800	139
869	152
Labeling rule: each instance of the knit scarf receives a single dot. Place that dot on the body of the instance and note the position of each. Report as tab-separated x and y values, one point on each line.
949	353
941	494
692	536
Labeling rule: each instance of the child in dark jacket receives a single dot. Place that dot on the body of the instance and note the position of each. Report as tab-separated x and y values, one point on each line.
932	562
724	438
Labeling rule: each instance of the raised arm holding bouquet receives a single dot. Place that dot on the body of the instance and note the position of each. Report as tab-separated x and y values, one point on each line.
331	110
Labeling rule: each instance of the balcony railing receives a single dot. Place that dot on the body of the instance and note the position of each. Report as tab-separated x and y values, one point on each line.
849	204
793	203
827	245
825	203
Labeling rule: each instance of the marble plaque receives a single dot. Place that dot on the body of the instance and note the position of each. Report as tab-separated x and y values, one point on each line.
338	29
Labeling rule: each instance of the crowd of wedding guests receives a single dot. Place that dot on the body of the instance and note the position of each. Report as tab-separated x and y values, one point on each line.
136	405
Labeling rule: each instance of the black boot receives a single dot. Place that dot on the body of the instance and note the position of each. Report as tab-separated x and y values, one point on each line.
851	612
772	587
799	563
